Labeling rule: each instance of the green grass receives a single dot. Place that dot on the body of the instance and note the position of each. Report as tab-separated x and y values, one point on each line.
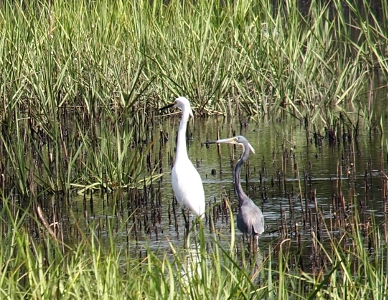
40	266
81	82
72	71
98	54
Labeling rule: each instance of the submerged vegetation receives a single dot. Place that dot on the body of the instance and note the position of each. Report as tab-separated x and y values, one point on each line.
81	82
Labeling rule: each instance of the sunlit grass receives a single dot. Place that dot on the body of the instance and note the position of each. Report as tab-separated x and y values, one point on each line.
80	84
102	54
42	266
71	70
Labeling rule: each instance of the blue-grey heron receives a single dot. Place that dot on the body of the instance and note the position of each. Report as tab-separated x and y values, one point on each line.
250	219
185	179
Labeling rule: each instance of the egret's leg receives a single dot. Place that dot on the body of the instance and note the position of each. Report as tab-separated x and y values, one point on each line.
186	240
187	224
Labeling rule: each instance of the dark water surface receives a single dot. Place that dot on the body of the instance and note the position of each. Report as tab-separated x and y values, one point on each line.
298	179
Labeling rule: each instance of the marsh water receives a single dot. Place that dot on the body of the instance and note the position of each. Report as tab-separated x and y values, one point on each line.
306	180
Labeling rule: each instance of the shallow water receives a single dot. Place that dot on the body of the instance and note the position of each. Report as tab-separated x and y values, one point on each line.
279	146
150	218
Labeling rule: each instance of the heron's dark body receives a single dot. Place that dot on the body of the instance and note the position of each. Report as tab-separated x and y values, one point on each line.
247	224
250	219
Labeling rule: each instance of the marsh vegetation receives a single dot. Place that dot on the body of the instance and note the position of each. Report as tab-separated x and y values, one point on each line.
81	85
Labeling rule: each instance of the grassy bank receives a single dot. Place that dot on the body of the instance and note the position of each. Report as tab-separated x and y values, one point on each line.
40	266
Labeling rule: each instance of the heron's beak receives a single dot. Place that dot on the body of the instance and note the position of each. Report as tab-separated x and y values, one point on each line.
222	141
227	141
230	141
168	106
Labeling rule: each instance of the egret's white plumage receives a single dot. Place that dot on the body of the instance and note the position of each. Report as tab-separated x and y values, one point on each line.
186	181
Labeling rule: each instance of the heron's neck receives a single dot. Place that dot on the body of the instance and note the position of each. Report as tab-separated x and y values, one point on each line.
181	151
237	181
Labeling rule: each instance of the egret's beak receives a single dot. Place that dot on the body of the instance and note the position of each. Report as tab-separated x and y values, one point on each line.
168	106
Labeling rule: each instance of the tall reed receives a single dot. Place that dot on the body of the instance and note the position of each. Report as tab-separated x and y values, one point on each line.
90	63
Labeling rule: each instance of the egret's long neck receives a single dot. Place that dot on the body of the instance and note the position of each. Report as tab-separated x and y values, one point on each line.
237	180
181	151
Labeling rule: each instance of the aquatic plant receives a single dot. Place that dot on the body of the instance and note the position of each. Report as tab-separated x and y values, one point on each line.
43	265
68	67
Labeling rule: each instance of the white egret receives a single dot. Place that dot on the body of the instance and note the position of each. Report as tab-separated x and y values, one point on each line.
185	179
